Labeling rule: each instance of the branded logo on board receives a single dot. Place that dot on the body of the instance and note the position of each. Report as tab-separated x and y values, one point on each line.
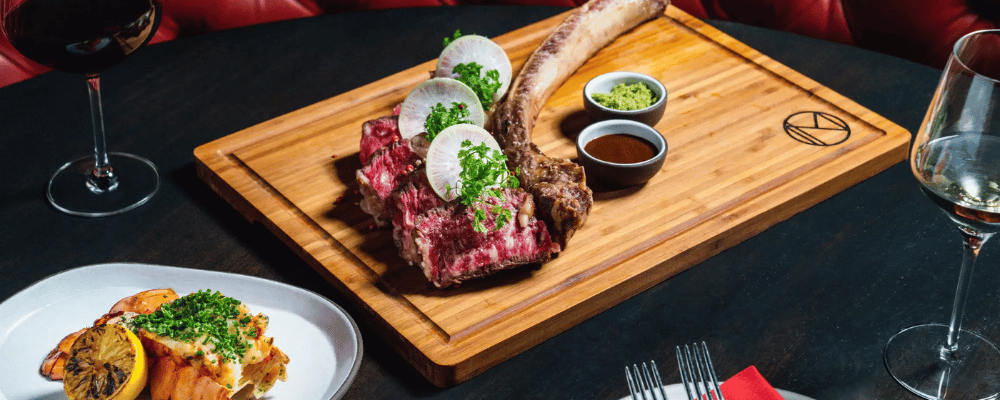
817	128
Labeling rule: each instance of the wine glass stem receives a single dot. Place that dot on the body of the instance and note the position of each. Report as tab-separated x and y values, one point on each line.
972	242
102	178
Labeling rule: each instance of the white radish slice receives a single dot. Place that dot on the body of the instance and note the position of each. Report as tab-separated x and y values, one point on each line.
478	49
417	106
443	167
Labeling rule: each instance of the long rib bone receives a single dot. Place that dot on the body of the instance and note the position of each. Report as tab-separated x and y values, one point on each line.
559	186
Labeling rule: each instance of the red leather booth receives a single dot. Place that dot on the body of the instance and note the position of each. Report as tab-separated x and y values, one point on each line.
919	30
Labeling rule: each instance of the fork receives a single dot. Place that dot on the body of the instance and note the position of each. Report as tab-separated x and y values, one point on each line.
644	382
705	378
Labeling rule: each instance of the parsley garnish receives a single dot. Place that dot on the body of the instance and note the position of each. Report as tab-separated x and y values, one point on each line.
448	40
484	86
206	316
441	118
484	174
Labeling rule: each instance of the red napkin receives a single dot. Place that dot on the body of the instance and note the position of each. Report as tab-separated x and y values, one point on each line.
749	385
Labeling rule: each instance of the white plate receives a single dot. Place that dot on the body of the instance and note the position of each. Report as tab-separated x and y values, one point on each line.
676	392
321	340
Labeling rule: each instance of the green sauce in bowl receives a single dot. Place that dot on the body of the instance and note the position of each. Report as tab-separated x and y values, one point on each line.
627	97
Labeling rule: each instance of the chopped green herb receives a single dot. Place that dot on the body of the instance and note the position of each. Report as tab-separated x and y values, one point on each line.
204	316
448	40
441	118
484	174
485	86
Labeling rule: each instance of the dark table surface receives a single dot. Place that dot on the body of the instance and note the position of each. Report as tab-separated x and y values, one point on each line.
810	301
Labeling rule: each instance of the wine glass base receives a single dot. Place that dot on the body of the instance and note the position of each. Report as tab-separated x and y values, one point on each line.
137	181
914	357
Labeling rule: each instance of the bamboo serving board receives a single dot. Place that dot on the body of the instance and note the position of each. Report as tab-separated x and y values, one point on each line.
746	151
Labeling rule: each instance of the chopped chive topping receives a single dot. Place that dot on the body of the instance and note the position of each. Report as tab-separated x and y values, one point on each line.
205	316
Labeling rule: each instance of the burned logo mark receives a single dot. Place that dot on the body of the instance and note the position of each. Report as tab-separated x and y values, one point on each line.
817	128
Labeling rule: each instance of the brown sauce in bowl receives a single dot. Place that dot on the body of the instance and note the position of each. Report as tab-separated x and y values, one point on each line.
621	148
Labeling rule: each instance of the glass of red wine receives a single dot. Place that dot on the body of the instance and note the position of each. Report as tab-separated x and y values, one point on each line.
87	37
956	159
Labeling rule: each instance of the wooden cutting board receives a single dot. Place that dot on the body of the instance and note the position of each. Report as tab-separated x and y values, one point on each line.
751	142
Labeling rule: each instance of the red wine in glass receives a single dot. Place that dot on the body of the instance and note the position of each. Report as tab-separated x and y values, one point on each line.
87	37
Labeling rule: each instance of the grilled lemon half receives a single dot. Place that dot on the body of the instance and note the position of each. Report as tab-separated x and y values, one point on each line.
107	362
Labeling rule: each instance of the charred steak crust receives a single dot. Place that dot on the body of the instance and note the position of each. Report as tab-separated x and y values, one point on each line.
559	185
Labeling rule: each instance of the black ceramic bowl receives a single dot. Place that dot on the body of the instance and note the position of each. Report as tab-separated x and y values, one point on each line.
605	82
613	174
